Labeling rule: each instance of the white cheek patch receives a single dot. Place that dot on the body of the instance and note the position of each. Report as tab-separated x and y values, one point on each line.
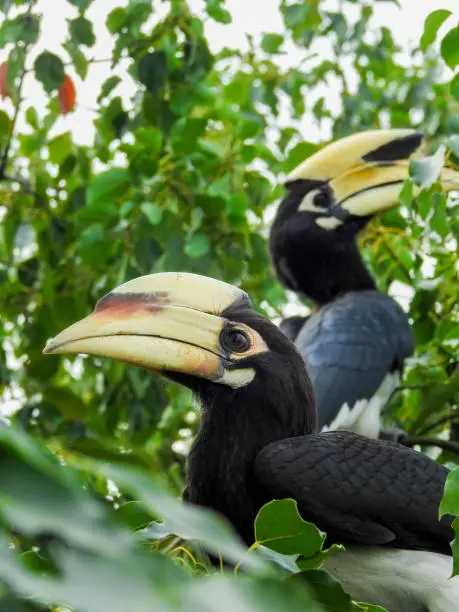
329	223
307	203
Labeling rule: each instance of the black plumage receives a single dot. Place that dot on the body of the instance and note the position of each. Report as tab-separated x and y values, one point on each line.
255	440
251	448
357	335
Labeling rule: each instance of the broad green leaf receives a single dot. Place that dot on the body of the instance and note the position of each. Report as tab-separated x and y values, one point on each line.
197	246
78	58
270	43
49	70
152	211
279	526
116	19
427	170
60	147
107	186
299	154
450	48
432	24
81	31
152	71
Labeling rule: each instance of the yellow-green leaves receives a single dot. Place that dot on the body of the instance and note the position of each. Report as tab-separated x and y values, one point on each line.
432	24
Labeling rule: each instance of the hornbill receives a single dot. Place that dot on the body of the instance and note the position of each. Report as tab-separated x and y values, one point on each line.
256	442
356	341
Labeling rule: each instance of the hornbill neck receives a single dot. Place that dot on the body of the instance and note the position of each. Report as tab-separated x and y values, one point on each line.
235	426
321	264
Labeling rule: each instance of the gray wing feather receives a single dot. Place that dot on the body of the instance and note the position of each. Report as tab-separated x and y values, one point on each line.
360	490
350	345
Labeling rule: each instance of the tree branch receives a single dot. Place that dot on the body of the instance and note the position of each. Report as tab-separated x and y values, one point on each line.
441	421
453	447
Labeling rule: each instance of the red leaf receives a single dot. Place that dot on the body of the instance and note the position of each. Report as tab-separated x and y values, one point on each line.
67	95
3	80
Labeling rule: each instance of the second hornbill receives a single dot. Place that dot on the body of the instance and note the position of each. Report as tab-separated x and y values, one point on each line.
255	440
356	341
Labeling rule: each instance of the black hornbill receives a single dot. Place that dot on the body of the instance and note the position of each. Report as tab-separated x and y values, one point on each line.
255	439
357	340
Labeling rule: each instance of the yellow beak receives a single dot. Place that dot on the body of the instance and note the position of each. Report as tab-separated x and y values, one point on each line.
166	322
366	171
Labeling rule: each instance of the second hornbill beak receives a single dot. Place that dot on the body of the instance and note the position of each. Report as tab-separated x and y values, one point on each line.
363	174
169	322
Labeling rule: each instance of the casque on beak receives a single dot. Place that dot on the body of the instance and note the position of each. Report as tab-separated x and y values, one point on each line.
165	322
365	172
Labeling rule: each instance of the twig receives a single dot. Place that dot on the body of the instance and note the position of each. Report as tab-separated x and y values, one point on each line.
430	441
446	419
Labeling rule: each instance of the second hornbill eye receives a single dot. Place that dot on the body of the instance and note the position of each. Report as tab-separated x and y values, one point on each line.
322	199
235	340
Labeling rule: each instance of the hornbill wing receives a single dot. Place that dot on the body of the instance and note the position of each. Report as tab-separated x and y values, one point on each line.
291	326
360	490
350	345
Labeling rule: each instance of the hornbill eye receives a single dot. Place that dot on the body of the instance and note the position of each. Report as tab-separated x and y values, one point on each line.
322	199
234	340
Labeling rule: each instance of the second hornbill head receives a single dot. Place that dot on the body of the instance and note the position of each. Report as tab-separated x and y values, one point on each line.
332	196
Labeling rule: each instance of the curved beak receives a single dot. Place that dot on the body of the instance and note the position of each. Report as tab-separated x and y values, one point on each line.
366	171
166	322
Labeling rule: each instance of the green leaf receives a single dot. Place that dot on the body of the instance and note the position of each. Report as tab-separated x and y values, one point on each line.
454	87
406	194
107	186
426	171
270	43
81	31
439	221
432	24
107	87
78	58
189	522
60	147
197	246
216	11
298	154
450	502
449	48
279	526
81	4
116	20
5	126
152	211
49	70
152	71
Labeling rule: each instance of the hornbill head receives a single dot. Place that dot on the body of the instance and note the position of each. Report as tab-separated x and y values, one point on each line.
335	192
204	334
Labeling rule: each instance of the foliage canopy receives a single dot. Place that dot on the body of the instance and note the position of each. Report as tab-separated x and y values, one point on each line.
183	176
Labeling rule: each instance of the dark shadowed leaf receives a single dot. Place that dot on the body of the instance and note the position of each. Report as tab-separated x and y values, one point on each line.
81	31
49	70
152	71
